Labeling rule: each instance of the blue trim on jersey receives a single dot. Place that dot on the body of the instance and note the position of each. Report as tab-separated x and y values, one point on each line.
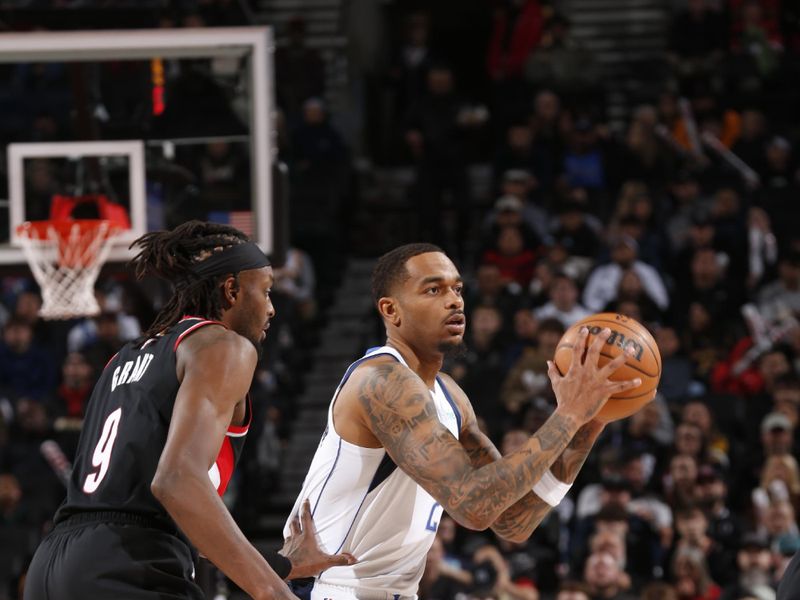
382	467
352	367
328	478
385	468
450	400
353	522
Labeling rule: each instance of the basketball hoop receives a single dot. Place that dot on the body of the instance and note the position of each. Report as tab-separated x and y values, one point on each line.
65	256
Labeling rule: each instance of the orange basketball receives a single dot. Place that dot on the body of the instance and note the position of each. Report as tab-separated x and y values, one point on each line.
644	361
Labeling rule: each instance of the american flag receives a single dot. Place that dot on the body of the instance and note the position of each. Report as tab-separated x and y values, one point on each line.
241	219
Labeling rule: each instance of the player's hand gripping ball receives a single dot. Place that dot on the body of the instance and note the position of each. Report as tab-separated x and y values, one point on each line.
644	360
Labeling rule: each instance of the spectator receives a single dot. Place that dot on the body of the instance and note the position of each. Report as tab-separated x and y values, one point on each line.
515	261
605	578
690	576
603	283
689	440
778	521
108	341
317	149
561	62
441	580
756	36
680	485
631	291
585	159
781	298
777	436
574	232
780	480
676	369
659	591
752	139
697	39
637	470
524	336
411	60
708	287
724	527
763	246
563	304
224	176
754	568
697	412
508	583
521	152
516	31
642	546
77	382
25	369
692	527
688	202
512	211
525	185
645	155
297	279
299	70
480	370
110	300
574	590
490	290
527	380
781	184
436	128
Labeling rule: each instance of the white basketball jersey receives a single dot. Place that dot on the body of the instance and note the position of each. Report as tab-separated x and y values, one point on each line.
363	504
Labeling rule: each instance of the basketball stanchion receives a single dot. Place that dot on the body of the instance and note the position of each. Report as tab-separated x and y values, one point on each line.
65	256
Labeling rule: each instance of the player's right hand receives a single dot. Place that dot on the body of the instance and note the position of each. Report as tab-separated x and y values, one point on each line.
586	386
302	548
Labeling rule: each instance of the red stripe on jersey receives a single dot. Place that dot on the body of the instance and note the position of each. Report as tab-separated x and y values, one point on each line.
239	430
109	360
194	328
224	463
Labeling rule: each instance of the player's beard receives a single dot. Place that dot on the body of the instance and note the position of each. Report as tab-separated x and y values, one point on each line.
453	349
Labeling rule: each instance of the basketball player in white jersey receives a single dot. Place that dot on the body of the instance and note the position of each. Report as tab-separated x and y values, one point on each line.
402	443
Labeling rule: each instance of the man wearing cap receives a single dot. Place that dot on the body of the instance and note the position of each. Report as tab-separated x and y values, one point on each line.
754	563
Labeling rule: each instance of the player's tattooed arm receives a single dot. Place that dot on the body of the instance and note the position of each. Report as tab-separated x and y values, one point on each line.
397	407
401	414
522	518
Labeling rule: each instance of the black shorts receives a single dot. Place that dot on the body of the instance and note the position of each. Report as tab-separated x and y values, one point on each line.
111	556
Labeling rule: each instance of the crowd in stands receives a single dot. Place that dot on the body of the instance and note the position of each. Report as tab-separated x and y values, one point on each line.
694	497
48	368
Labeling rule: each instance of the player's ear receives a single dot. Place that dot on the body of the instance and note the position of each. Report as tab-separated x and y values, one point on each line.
230	290
389	310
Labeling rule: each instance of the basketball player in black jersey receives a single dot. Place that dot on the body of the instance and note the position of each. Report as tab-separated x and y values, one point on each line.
163	430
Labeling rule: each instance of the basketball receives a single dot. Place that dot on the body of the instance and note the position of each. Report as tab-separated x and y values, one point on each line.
644	361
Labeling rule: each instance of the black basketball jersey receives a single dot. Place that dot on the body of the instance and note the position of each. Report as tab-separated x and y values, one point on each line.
125	430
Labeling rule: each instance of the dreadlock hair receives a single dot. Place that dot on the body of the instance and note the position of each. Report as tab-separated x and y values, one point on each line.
170	254
391	267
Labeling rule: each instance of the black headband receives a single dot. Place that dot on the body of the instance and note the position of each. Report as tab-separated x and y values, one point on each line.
233	259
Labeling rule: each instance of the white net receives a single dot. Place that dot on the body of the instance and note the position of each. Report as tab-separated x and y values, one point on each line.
65	258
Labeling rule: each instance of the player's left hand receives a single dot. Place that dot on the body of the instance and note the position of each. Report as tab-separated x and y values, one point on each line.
302	548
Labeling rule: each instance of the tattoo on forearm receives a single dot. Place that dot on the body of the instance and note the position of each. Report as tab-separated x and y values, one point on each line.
403	417
520	520
567	466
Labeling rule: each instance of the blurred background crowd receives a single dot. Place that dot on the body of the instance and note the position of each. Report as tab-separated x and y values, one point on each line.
497	131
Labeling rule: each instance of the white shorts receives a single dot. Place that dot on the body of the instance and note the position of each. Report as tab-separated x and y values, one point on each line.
326	591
